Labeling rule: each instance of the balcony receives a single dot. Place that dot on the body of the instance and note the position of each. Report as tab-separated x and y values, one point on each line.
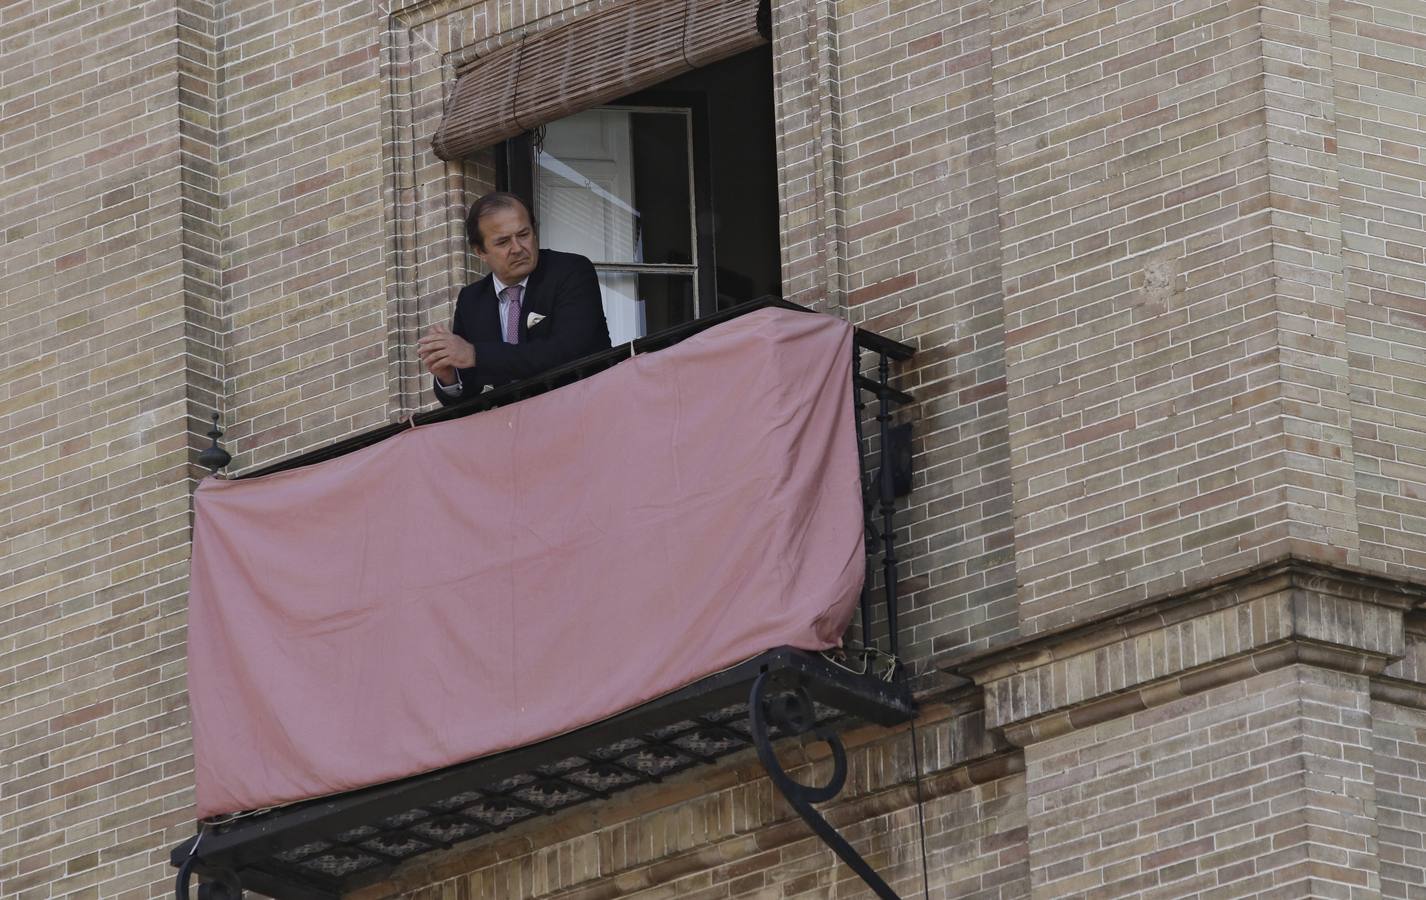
323	847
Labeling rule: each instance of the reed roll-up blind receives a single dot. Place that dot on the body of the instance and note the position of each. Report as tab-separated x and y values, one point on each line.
590	60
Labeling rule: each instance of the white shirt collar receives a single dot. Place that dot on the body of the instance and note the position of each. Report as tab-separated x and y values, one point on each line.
500	286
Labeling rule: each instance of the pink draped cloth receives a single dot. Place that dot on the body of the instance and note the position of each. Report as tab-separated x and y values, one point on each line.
476	585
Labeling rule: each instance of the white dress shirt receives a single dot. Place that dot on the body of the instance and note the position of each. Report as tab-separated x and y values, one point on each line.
455	390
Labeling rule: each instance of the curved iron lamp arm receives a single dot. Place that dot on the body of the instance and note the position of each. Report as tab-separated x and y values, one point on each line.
795	715
223	886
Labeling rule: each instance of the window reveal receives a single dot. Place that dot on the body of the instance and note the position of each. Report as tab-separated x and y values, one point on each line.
616	184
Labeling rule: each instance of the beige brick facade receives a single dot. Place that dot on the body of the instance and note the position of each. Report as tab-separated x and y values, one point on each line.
108	344
1164	264
1377	66
1262	786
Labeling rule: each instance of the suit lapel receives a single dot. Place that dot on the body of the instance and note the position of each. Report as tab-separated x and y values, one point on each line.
534	298
489	310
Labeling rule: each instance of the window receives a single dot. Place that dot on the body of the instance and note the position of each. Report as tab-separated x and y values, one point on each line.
670	192
616	184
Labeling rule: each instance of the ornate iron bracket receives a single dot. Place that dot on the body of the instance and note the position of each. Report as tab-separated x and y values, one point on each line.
218	884
793	714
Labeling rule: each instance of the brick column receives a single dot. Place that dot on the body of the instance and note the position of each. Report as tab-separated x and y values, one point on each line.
1398	734
1220	743
1262	786
1176	349
1379	68
110	322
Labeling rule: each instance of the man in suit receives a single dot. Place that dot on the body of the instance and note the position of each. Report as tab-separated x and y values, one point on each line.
537	309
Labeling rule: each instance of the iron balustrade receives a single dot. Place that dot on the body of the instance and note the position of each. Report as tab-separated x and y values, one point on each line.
319	849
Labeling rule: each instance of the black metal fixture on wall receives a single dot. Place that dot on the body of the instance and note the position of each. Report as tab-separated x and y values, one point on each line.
213	456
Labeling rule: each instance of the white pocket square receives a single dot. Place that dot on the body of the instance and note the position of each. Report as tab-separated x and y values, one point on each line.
533	319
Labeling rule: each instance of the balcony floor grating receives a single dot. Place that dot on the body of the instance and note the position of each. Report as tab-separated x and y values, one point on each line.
323	848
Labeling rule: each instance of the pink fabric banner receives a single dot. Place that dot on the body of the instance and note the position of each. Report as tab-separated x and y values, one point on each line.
480	584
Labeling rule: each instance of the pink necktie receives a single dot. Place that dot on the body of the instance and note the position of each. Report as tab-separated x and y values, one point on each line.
512	314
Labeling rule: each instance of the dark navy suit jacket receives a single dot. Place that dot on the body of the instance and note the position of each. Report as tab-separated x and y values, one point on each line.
564	289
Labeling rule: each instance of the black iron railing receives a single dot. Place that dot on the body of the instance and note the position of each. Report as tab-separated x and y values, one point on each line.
320	849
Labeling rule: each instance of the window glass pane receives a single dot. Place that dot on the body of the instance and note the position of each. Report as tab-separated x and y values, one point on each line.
636	304
668	300
662	182
614	185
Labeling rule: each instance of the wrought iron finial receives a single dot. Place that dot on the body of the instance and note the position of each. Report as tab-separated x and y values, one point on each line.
215	457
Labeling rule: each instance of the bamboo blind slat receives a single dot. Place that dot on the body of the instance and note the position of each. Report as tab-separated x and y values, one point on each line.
590	60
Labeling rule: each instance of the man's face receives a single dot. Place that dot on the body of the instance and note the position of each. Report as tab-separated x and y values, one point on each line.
511	248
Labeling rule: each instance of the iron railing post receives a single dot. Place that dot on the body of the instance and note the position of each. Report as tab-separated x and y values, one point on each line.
888	504
868	640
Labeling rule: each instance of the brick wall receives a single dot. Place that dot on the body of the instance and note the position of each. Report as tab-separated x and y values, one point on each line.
1378	67
923	266
106	272
808	119
1261	787
304	248
1315	486
1139	299
976	838
1398	733
1179	187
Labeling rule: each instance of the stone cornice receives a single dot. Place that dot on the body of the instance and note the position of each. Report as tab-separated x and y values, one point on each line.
1227	591
1288	611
